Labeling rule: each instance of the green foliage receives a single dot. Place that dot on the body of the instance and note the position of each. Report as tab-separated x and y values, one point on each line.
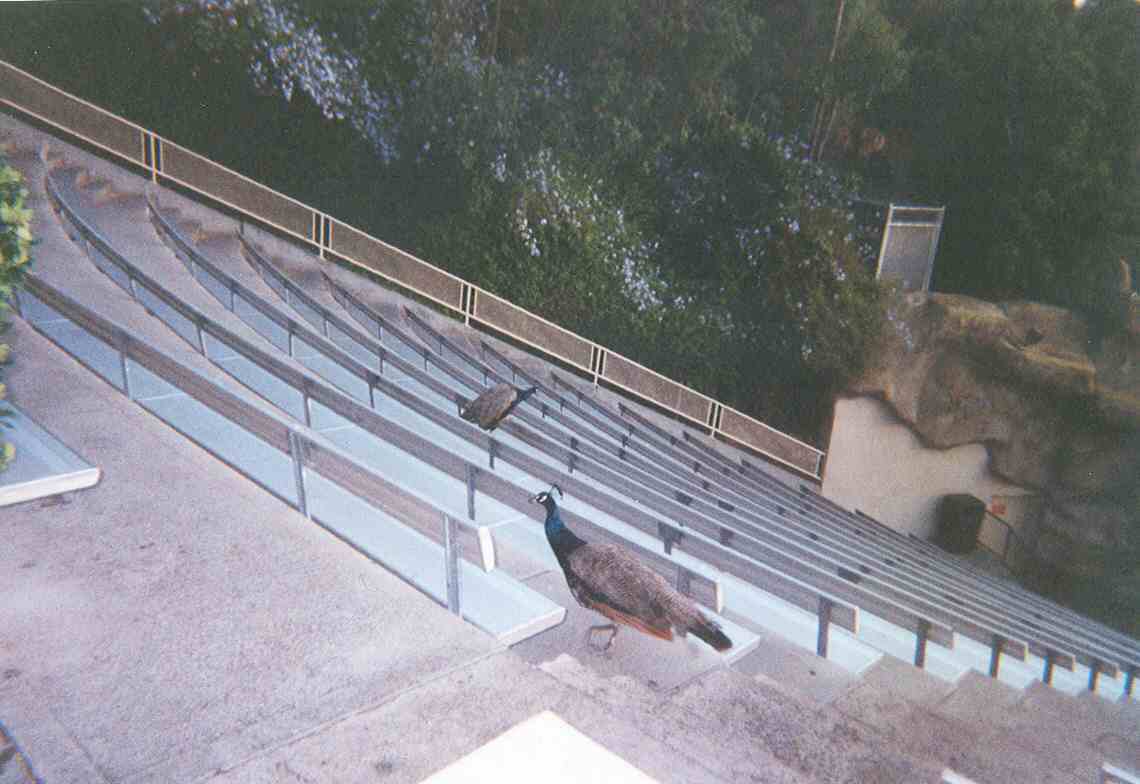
625	169
869	62
15	248
1024	123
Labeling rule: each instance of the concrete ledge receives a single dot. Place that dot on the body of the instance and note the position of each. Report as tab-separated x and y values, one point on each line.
44	465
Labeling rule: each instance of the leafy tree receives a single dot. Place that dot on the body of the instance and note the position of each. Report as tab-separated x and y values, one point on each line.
1023	118
623	168
866	61
15	256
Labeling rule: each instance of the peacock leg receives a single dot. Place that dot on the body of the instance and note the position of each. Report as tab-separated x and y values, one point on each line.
613	630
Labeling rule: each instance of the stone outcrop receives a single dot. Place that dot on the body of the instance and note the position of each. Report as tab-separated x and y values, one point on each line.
1058	410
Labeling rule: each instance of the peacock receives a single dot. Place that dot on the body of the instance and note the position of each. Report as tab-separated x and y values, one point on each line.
492	407
608	579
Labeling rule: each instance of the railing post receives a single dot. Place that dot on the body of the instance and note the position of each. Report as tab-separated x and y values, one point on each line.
684	582
1094	674
1129	678
451	565
201	337
297	452
1047	674
471	471
492	447
669	536
824	632
920	637
126	372
995	654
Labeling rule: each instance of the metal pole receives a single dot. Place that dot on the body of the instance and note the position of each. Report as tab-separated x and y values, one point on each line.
684	582
297	452
995	655
1094	674
824	615
920	638
471	471
126	373
451	563
1047	674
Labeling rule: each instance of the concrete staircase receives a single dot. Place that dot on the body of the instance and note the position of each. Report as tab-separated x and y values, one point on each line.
776	714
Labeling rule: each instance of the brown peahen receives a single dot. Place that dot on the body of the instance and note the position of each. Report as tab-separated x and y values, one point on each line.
608	579
493	406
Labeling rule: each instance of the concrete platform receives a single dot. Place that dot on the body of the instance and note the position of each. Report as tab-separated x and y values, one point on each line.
44	466
543	747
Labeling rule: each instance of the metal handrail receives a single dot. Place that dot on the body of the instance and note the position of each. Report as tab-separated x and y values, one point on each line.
1011	535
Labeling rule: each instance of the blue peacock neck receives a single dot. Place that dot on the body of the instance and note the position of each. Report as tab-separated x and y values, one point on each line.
562	539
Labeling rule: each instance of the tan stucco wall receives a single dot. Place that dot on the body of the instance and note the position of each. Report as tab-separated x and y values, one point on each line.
877	464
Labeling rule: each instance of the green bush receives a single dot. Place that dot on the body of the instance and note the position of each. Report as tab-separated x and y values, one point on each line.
15	247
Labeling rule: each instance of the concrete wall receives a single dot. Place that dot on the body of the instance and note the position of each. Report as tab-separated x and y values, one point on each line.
877	464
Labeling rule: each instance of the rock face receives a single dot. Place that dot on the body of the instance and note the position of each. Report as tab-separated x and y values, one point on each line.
1057	413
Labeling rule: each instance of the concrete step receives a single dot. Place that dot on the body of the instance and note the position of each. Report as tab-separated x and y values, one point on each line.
789	668
981	702
738	726
819	742
1086	716
132	203
1040	734
887	693
724	750
16	154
